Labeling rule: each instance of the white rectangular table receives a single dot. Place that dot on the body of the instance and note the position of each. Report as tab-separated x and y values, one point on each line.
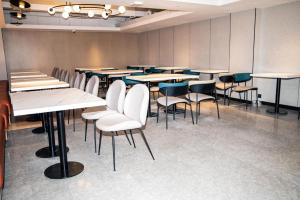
278	77
89	69
21	81
172	69
211	72
38	86
20	75
160	78
48	101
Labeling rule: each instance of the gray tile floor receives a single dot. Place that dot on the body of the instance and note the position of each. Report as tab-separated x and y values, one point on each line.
244	155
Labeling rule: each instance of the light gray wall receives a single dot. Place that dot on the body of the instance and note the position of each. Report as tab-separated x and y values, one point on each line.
3	72
43	50
222	43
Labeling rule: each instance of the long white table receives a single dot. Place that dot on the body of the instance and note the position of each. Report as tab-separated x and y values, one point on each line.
160	78
38	86
48	101
89	69
172	69
211	72
20	75
278	77
21	81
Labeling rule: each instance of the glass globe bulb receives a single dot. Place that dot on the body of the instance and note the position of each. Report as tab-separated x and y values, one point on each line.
76	8
91	13
19	15
122	9
65	15
22	4
51	11
68	9
107	6
104	14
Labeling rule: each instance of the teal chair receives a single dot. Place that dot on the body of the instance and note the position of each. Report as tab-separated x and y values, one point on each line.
174	93
241	80
129	82
190	72
133	68
152	70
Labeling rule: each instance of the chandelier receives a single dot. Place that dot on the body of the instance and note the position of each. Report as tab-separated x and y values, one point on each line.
69	10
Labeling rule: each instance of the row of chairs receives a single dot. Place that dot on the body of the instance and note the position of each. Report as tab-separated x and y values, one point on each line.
124	112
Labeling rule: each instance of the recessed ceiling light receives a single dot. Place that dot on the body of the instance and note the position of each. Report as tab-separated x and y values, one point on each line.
208	2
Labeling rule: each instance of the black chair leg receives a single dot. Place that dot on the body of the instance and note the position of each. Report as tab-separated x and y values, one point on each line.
86	124
174	111
69	116
95	130
166	110
127	137
197	113
299	114
224	96
229	98
114	150
256	98
218	109
192	112
100	140
246	97
145	140
132	138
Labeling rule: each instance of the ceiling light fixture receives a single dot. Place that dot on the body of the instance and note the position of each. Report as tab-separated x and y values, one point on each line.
91	9
20	4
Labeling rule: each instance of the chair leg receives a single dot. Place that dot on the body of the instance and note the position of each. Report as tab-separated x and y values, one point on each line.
100	140
229	98
246	97
197	115
256	98
157	116
95	130
299	114
69	116
145	140
166	109
224	96
127	138
132	138
218	109
184	110
73	120
114	150
192	112
86	124
174	111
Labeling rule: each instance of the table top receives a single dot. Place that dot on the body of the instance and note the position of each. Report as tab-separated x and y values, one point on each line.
93	68
117	71
161	77
38	86
24	72
43	101
27	75
143	66
210	71
276	75
172	68
21	81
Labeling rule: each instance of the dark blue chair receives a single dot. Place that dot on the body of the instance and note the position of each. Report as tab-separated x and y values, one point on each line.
172	95
190	72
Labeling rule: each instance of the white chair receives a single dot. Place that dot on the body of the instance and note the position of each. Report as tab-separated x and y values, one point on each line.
71	80
62	75
54	71
115	97
92	86
77	80
79	84
66	78
134	117
82	81
57	73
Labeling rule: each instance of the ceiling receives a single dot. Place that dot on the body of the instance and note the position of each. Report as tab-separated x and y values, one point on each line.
178	12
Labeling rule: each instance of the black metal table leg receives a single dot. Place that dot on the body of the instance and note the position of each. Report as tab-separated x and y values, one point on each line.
150	114
211	76
276	110
40	130
52	150
64	169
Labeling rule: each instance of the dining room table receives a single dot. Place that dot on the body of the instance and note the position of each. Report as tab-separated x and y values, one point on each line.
172	69
55	101
26	74
90	69
211	72
278	77
33	80
150	78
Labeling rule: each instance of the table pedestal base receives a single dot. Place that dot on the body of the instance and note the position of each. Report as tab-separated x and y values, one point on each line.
54	171
46	152
280	112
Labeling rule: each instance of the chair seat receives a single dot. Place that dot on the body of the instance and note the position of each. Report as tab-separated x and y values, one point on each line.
97	113
171	100
201	97
222	86
154	89
117	122
244	88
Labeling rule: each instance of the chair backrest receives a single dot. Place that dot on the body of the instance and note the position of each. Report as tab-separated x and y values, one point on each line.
241	77
67	76
77	80
82	81
204	87
92	86
57	73
72	80
115	96
62	75
173	89
226	78
136	103
133	67
54	71
190	72
153	70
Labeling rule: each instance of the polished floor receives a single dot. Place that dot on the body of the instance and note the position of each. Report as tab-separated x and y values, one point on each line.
244	155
